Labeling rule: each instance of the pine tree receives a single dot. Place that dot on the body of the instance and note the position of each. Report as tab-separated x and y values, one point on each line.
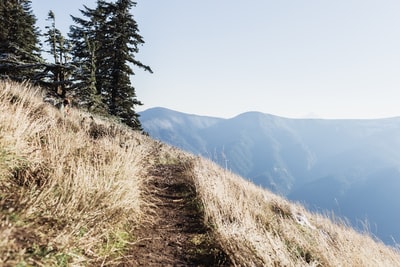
107	42
124	43
86	39
19	40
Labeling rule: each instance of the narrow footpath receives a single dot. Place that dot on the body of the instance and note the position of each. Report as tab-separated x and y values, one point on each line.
178	237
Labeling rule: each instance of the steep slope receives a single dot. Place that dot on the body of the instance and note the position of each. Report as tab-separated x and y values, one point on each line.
258	228
84	191
79	190
70	187
325	164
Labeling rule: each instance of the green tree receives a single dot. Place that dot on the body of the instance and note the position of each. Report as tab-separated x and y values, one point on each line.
107	42
86	38
19	40
124	44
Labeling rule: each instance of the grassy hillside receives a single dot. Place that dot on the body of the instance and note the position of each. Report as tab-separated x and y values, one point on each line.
84	191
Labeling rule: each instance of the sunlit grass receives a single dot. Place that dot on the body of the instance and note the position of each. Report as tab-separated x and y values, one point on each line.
258	228
73	191
64	191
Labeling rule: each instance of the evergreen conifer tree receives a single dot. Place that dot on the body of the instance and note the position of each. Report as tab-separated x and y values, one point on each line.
107	43
87	40
124	44
19	40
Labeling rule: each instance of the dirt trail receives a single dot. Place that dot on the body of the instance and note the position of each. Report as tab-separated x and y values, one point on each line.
178	237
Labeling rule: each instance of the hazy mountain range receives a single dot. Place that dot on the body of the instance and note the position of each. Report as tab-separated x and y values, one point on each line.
349	166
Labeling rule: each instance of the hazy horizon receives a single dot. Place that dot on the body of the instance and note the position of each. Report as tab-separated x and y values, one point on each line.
288	58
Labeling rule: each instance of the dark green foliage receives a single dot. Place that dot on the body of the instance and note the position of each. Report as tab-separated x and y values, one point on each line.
86	39
94	65
105	44
121	94
19	40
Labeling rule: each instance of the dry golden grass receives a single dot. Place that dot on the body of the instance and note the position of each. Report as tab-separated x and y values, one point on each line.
258	228
70	189
73	190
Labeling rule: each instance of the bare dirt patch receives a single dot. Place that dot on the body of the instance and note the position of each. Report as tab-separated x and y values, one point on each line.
178	237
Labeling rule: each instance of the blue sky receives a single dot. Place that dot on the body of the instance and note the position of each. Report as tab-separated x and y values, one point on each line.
292	58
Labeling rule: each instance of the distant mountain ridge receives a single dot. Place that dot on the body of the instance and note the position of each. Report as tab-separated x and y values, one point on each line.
349	166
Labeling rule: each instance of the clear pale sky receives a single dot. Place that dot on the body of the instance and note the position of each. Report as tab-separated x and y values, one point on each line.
292	58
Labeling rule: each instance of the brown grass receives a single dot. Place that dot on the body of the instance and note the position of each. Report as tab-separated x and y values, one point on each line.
70	189
258	228
73	191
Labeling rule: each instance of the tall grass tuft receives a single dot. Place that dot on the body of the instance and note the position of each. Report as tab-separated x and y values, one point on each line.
258	228
67	195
